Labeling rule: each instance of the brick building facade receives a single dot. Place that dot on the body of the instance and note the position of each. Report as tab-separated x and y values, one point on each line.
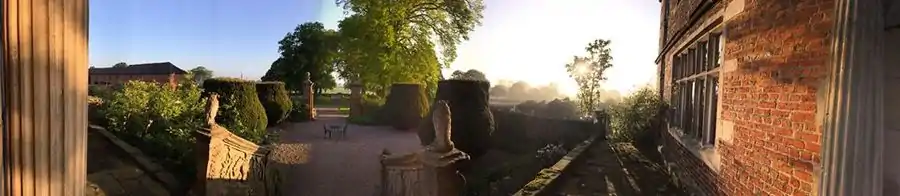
782	97
748	87
164	72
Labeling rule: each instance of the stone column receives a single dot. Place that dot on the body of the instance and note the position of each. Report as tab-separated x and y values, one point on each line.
310	96
356	98
44	93
854	123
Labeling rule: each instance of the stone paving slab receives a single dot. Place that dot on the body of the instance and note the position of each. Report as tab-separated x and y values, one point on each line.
112	172
311	165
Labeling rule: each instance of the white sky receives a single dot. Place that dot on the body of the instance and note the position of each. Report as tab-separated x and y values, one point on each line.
532	40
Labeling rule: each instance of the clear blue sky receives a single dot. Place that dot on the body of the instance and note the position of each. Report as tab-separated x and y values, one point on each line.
528	40
231	37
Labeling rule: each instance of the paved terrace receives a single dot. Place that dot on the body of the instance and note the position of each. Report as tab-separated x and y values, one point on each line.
312	165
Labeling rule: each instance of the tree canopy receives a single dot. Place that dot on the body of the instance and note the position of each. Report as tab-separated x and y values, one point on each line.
120	64
588	73
200	73
309	48
472	74
386	42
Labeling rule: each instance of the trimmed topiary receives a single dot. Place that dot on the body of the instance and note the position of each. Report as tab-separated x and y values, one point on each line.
241	111
275	99
472	122
406	104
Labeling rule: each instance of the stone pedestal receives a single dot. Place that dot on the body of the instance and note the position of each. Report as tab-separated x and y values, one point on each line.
442	173
310	96
356	99
44	91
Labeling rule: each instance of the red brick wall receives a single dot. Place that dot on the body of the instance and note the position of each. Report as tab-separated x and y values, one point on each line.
119	79
780	49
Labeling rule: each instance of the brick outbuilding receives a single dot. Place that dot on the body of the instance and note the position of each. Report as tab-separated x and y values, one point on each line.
162	72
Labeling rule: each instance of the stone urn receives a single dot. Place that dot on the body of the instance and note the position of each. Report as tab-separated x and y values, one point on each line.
473	122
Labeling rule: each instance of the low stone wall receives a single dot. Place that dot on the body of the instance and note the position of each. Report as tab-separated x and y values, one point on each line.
521	133
230	165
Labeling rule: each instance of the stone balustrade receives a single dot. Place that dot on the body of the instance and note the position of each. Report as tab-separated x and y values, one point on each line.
230	165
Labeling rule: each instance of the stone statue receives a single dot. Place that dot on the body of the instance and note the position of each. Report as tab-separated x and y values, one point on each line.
442	129
441	151
212	108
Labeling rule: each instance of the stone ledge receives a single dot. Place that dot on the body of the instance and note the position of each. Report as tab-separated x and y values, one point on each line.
150	168
546	179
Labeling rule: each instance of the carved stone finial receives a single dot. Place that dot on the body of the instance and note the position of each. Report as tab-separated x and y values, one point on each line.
442	128
212	108
306	77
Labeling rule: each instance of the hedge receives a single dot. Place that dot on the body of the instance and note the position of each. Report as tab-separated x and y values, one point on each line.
240	109
472	122
406	104
275	100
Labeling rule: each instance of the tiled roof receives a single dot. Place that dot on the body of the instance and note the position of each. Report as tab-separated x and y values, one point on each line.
139	69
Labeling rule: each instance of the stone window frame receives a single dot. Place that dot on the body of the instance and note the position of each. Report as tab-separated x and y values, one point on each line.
704	148
695	89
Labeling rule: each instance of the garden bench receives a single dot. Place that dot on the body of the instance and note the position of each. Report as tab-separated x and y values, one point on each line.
331	129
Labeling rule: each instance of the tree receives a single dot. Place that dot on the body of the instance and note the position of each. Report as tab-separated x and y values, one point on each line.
588	73
200	74
519	90
386	42
472	74
120	65
499	90
309	48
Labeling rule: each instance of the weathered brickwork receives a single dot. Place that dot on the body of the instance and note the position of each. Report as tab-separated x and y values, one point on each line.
775	57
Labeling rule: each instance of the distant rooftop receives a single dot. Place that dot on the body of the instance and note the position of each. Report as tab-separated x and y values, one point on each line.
140	69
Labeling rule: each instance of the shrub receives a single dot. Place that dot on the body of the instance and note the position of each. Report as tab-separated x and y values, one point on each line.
275	100
371	106
300	113
472	123
405	106
158	120
241	113
635	116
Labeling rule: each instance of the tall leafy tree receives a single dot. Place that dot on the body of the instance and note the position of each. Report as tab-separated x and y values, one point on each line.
120	64
588	73
309	48
385	42
472	74
200	73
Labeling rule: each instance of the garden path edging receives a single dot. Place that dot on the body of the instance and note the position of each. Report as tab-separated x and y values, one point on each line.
151	168
547	178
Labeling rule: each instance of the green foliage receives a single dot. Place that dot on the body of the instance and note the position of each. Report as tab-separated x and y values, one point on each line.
240	112
636	115
557	108
299	113
588	73
156	119
472	74
406	105
275	100
371	106
310	48
200	73
387	42
120	65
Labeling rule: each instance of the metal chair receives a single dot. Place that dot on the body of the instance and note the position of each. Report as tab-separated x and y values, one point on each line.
331	129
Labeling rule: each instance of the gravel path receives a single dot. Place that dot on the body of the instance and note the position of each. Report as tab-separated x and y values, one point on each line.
311	165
